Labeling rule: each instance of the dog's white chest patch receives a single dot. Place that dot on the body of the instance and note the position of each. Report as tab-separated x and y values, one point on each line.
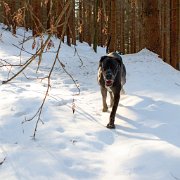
109	89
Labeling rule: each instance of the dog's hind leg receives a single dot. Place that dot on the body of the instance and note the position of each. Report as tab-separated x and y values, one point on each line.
122	91
104	96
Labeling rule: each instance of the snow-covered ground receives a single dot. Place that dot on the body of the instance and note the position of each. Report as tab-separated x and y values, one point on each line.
144	146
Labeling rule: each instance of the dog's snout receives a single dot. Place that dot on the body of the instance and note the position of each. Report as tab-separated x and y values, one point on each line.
108	75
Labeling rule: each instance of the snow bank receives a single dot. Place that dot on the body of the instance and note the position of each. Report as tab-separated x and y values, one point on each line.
144	145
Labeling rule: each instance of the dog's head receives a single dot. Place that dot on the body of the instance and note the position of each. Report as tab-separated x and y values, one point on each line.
109	67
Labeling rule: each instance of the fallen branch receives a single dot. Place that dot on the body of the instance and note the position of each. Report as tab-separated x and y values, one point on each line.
1	162
174	176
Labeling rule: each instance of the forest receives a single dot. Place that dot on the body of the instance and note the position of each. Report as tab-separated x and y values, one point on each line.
126	26
52	122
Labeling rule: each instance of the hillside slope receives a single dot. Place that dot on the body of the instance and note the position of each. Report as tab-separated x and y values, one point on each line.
70	146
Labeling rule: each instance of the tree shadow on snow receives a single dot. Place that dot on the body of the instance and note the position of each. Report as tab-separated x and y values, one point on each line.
154	120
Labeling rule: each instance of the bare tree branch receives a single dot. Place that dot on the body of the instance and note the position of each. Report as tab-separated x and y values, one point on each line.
1	162
66	12
38	52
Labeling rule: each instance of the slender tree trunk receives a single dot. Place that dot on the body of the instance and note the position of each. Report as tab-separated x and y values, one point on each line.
174	33
118	27
72	24
80	21
68	28
89	24
151	30
1	12
112	46
59	8
133	27
166	31
37	29
28	23
12	20
49	14
122	26
95	38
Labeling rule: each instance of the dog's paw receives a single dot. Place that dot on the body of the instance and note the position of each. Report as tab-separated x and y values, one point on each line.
105	109
110	126
122	92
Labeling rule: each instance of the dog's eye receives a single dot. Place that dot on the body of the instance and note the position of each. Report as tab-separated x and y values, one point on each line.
112	66
104	68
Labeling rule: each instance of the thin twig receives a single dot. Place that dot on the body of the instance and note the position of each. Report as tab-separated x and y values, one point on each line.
76	52
37	78
22	49
77	86
8	64
1	162
40	50
177	84
39	111
174	176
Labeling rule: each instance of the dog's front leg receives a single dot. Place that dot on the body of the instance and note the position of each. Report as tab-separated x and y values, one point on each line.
113	112
104	96
111	99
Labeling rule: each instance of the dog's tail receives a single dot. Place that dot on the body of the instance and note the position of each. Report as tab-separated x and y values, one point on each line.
108	43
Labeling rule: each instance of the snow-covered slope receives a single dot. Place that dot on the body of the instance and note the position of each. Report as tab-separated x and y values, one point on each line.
145	144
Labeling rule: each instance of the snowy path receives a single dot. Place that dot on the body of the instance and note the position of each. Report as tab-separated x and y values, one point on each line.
144	145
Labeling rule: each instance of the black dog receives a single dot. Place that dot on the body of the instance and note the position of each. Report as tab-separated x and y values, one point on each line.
111	77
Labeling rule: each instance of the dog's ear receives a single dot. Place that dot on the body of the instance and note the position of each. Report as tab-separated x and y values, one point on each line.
119	61
101	60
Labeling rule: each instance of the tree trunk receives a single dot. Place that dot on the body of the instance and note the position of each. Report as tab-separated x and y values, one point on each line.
59	8
151	26
95	38
112	46
133	27
174	34
89	24
37	29
80	21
